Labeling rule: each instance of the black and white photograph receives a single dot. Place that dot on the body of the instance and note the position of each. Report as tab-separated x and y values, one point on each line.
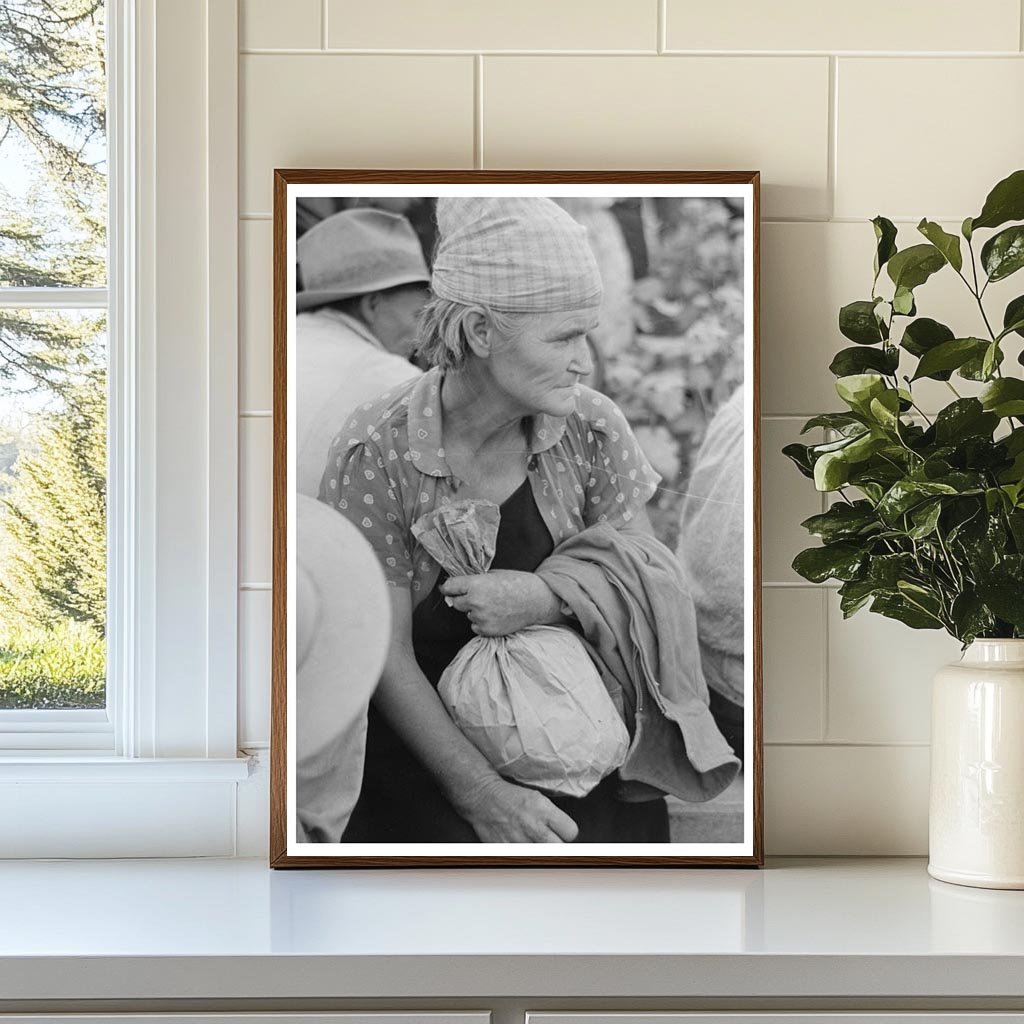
516	557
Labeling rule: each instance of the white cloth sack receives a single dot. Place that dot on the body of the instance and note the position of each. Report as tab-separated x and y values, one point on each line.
532	702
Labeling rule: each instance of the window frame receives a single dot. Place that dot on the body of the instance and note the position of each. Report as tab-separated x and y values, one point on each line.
172	464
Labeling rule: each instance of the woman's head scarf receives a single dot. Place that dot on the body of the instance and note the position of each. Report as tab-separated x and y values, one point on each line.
514	255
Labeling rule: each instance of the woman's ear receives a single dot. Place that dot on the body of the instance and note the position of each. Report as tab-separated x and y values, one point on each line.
479	332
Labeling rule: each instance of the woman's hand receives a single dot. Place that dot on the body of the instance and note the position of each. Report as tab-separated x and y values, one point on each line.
502	601
502	812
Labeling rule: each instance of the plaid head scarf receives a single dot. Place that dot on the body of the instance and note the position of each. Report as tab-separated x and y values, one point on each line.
514	255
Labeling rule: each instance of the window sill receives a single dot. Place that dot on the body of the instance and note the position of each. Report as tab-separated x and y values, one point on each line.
77	767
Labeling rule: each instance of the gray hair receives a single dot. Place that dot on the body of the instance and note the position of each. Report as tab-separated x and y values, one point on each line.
442	330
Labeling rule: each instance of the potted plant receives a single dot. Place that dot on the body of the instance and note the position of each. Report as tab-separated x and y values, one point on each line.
926	524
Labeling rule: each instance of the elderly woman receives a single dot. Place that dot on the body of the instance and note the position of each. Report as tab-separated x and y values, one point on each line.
501	416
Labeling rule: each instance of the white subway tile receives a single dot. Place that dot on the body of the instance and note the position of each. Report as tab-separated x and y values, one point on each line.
678	113
351	111
272	25
787	499
470	25
879	677
255	319
926	137
793	631
255	511
254	625
869	25
846	801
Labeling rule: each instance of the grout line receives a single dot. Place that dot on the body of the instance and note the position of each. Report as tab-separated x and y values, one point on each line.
478	111
823	682
663	26
254	586
1020	19
854	744
255	216
343	51
833	134
323	24
800	585
255	414
257	51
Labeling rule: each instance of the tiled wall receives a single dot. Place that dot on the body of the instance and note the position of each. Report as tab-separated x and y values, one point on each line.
906	109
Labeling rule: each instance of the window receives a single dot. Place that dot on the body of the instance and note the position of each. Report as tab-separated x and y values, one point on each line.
155	768
53	371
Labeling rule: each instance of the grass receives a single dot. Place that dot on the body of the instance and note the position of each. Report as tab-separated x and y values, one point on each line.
60	667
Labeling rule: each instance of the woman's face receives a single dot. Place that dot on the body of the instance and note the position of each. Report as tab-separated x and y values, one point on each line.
538	369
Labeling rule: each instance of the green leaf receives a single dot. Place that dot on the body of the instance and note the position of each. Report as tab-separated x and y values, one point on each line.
964	418
965	229
947	244
849	361
899	608
855	594
990	360
799	455
841	421
885	236
1005	202
1004	397
974	368
887	570
1005	597
971	617
843	521
885	409
925	518
858	389
950	355
912	267
831	471
840	561
1003	254
923	335
906	494
857	321
1013	317
903	302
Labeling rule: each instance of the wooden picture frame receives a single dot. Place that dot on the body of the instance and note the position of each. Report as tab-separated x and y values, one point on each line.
713	214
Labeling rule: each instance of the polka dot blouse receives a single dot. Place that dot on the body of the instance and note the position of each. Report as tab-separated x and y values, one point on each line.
387	468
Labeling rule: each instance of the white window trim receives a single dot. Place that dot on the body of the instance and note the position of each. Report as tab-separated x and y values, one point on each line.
172	499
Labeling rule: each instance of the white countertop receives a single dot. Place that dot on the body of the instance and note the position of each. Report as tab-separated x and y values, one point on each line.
235	929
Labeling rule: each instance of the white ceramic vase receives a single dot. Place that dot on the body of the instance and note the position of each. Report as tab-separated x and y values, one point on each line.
976	815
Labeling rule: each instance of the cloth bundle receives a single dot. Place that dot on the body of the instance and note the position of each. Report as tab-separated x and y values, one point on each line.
532	702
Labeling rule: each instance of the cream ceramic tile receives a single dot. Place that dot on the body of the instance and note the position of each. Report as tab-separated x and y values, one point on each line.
962	130
255	319
847	801
470	25
787	498
254	611
690	113
880	676
255	512
272	25
351	111
794	663
869	25
808	271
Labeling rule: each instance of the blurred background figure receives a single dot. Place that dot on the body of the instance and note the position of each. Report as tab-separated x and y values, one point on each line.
364	283
711	543
343	622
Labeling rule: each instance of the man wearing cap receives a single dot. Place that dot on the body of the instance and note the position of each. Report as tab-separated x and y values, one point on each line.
364	283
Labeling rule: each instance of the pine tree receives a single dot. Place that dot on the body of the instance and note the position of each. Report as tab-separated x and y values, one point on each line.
53	519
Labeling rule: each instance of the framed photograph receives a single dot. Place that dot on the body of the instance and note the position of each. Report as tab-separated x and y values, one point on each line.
516	570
